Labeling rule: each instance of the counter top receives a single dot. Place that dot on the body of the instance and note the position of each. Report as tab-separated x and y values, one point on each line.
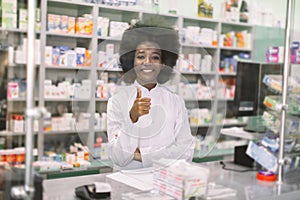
244	183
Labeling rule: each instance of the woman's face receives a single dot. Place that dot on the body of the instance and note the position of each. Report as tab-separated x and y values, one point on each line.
147	62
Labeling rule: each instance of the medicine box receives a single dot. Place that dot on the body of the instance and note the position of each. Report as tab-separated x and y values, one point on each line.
180	179
55	56
64	23
71	25
80	56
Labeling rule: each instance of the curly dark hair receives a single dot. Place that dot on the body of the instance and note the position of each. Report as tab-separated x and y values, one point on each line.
151	30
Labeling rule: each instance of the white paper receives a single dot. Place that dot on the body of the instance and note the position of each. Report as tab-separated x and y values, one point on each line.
102	187
240	133
142	180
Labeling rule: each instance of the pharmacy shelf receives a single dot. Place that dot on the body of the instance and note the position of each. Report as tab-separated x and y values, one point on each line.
227	73
119	8
19	99
102	69
108	38
199	46
209	99
15	30
12	134
69	35
67	99
226	124
67	67
240	133
235	49
71	3
198	73
237	24
66	132
202	19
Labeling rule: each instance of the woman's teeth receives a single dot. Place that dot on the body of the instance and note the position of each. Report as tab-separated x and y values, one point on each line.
147	70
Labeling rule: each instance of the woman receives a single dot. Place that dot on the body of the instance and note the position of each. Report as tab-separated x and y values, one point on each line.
146	121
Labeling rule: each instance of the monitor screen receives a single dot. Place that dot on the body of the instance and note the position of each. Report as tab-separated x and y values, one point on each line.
250	91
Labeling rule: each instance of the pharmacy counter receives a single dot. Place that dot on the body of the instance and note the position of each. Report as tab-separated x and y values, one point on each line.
242	185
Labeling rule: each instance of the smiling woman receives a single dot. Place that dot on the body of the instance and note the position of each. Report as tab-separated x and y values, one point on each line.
145	120
147	64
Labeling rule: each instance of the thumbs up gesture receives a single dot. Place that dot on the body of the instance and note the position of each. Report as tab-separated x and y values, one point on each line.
141	106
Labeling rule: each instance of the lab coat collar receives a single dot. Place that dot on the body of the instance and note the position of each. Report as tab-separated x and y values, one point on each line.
143	88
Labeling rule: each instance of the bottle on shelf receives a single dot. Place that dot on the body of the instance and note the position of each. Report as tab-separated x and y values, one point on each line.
234	11
244	12
210	9
201	8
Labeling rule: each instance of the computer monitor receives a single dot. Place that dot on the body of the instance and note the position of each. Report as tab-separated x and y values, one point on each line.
249	88
246	89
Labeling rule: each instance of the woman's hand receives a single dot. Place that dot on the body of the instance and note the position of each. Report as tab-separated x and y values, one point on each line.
141	106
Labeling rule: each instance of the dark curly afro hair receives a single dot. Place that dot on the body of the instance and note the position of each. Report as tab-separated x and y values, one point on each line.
153	30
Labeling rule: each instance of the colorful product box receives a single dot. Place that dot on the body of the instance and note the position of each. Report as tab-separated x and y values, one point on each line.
48	55
12	90
88	58
262	156
64	24
9	6
9	13
54	23
55	56
102	26
295	52
79	25
80	56
71	58
88	25
71	25
63	55
175	179
274	54
9	20
23	19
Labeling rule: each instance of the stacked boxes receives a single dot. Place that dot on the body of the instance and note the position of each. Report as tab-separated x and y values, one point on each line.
9	13
116	29
102	26
23	14
295	52
196	35
180	179
67	24
65	56
275	54
23	19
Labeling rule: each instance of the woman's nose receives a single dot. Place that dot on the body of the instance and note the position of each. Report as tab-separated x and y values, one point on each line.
146	60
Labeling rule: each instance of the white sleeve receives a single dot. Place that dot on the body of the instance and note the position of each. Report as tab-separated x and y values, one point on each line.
182	148
121	144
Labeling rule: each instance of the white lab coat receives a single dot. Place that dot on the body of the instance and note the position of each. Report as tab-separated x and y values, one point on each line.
163	133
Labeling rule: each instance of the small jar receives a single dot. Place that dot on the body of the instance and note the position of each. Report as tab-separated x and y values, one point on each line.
11	156
20	155
3	155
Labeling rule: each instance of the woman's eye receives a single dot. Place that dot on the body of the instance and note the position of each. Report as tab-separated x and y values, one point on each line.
140	57
156	58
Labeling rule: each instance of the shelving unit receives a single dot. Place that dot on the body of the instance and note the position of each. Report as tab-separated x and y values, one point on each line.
95	43
272	119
